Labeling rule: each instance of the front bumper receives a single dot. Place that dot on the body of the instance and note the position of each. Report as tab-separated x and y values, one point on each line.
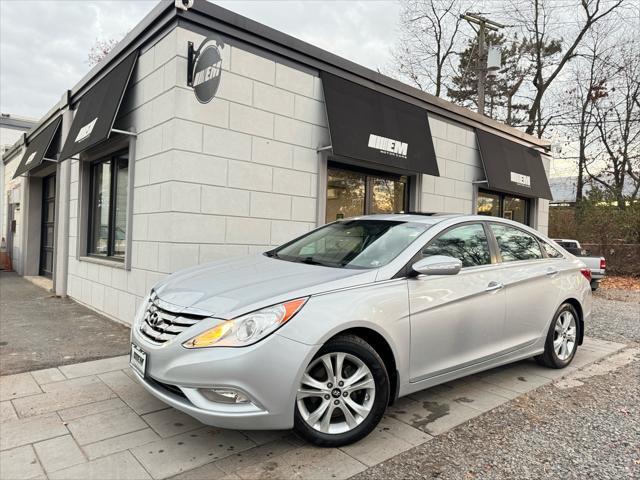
267	372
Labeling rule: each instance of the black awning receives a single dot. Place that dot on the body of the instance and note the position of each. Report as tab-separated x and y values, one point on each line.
371	126
513	168
98	108
38	148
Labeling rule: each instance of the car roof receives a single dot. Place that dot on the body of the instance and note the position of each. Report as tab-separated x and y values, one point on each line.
435	218
415	217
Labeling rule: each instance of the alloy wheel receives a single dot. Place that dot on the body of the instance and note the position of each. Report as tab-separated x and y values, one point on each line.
336	394
564	337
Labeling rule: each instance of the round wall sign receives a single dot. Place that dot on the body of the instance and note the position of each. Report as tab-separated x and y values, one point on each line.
206	73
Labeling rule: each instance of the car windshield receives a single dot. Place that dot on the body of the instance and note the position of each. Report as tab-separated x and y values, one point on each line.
352	244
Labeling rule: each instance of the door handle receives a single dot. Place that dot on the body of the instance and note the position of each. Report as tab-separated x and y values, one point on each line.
493	286
551	272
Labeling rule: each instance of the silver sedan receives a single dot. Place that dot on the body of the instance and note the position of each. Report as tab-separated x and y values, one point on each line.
322	333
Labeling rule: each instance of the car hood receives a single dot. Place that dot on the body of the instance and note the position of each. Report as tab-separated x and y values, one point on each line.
232	287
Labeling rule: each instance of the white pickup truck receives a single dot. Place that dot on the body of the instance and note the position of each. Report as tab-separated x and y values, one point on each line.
597	265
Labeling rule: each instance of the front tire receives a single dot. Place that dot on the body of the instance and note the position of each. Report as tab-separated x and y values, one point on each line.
562	339
343	393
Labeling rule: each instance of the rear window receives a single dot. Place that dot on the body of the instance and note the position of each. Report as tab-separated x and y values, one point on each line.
551	251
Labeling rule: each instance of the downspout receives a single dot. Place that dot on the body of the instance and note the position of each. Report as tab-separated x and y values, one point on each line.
65	200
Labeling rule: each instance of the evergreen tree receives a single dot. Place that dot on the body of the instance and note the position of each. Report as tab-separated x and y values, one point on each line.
502	100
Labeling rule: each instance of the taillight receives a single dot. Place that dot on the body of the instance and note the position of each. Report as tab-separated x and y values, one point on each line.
603	263
586	273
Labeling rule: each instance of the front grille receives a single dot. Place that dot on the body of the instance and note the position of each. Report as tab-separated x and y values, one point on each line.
160	325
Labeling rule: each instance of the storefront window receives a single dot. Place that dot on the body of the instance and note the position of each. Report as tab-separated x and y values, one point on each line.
345	194
107	213
489	204
351	193
388	195
502	205
515	208
100	206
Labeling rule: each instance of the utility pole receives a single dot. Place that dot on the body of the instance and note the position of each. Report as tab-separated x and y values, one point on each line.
483	24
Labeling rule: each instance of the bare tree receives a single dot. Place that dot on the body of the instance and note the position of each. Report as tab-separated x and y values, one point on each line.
617	122
587	80
535	18
429	35
99	50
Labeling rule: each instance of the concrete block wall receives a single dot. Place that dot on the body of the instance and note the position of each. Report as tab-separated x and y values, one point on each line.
147	107
9	185
541	205
232	177
459	165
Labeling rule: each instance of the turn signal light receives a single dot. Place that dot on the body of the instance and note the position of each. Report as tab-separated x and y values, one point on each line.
603	263
586	273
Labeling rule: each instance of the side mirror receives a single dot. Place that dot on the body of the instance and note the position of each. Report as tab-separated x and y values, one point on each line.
437	265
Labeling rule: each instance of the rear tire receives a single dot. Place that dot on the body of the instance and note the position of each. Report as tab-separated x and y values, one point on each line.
342	406
594	285
562	338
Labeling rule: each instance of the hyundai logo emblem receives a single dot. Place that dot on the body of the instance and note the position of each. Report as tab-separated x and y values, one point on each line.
154	319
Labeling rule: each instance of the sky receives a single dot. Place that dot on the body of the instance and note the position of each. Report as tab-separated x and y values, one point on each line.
44	44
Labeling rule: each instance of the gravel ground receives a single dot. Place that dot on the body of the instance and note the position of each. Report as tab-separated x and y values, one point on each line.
588	429
616	316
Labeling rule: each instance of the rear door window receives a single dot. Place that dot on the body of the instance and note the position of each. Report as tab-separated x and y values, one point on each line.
515	244
467	243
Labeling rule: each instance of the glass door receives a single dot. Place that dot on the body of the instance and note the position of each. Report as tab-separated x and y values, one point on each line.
47	225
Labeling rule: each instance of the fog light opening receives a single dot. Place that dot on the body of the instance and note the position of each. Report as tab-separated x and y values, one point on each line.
225	395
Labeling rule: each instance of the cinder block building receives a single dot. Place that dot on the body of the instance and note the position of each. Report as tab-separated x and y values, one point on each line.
205	135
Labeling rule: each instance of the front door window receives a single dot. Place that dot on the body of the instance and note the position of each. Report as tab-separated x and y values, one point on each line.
351	193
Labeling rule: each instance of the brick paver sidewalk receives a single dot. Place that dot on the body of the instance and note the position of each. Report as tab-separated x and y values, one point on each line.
94	421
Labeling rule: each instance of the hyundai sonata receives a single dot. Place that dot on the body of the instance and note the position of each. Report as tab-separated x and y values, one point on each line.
322	333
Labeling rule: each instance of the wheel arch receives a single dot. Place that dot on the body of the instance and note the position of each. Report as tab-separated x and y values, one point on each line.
575	303
383	348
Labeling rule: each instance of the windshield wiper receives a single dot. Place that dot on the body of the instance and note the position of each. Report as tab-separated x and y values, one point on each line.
312	261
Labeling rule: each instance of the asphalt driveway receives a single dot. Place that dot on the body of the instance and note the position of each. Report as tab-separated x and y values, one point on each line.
39	330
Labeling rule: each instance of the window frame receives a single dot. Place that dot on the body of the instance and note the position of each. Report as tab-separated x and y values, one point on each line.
114	158
501	200
117	144
369	176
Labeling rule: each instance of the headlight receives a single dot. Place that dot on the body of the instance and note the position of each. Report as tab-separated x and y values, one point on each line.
249	328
